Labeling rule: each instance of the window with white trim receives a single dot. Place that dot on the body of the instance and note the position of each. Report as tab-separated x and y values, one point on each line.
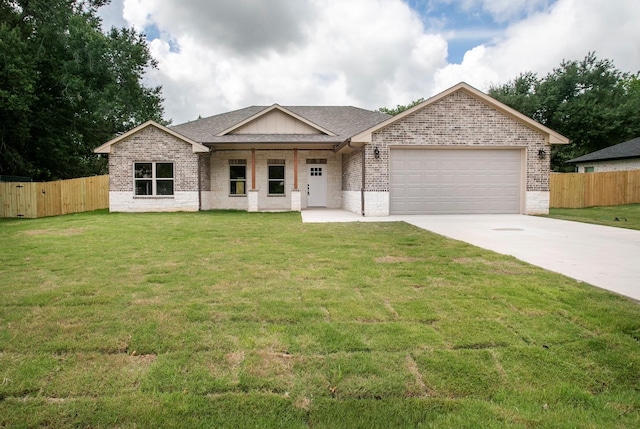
237	176
276	176
153	178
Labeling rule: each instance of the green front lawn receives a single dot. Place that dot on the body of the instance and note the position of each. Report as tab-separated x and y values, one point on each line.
627	216
234	320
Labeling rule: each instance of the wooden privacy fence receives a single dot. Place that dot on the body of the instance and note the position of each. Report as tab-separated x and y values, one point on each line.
40	199
578	190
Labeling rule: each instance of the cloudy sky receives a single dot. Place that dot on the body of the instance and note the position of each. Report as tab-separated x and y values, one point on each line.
219	55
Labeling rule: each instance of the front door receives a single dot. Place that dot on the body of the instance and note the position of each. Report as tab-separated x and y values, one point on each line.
317	186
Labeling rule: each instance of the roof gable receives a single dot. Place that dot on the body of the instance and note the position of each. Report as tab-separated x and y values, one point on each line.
275	120
342	121
628	149
107	147
552	137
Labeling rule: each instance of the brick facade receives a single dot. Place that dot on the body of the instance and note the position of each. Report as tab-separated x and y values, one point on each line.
153	145
457	120
205	171
352	171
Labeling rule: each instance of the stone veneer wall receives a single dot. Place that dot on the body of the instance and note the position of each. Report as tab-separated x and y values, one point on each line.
153	144
611	165
458	120
218	197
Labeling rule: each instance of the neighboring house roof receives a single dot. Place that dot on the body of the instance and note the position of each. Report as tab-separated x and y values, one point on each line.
552	136
106	148
628	149
335	124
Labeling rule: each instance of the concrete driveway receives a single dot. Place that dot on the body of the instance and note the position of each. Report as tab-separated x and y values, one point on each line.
602	256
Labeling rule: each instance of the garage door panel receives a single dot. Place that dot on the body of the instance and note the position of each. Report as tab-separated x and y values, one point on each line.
439	181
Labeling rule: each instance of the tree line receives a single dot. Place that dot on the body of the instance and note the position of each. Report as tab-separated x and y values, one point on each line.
66	87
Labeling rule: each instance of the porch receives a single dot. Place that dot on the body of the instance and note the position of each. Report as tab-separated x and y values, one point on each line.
271	179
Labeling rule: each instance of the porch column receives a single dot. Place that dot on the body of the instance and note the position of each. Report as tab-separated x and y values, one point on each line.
296	202
295	169
253	169
252	195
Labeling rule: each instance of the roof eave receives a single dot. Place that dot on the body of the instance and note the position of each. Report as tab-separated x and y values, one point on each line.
348	146
612	158
271	145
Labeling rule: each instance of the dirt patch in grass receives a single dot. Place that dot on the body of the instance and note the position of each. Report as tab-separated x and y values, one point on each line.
143	360
146	359
56	400
56	232
271	363
235	359
303	403
393	259
418	388
391	310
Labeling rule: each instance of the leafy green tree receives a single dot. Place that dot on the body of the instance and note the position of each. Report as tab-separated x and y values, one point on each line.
400	108
589	101
66	87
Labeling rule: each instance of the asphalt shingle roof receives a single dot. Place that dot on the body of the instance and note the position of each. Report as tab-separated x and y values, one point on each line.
628	149
344	121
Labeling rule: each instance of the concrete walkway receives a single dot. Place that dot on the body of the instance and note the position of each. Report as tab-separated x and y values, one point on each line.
599	255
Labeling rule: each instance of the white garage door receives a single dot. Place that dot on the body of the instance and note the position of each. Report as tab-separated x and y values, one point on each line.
455	181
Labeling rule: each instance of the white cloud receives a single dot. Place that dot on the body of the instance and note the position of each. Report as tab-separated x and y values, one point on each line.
568	30
362	52
137	13
368	53
111	15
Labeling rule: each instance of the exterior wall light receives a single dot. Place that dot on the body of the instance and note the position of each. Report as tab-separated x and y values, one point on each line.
376	152
541	154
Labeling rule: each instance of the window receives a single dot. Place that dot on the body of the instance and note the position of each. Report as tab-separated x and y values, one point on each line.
276	176
316	160
153	178
588	169
237	176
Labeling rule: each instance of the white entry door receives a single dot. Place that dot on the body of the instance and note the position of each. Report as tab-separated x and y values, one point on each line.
317	186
